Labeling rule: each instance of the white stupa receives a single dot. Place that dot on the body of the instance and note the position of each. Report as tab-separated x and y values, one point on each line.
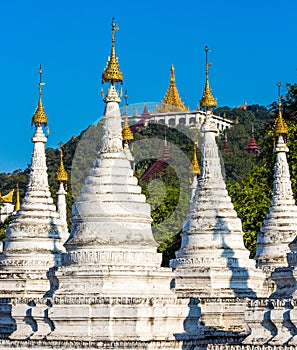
34	239
212	260
280	226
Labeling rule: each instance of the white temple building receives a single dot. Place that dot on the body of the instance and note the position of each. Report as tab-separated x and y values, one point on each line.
173	112
102	286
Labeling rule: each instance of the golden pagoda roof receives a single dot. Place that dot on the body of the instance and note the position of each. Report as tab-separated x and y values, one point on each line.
62	173
126	131
207	101
172	101
112	72
194	168
39	117
280	127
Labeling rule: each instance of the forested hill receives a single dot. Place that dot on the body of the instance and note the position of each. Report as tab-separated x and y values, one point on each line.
248	176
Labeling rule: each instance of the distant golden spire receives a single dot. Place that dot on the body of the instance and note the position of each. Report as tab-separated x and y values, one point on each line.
62	175
280	127
126	131
17	200
207	101
194	168
112	72
172	101
127	134
39	117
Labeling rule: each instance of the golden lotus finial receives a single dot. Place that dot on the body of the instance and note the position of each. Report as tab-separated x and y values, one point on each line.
280	127
207	101
194	168
112	72
62	175
39	117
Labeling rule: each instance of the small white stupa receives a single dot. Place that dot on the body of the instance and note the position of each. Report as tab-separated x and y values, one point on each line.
280	226
62	178
34	241
273	320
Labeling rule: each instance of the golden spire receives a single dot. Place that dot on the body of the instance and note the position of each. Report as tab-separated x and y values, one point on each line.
62	175
17	200
172	101
194	168
207	101
280	127
127	134
112	72
39	116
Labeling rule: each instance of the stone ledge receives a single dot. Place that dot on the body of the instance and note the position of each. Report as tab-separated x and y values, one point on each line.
131	344
88	300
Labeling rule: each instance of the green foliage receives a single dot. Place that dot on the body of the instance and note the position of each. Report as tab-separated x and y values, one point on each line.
292	155
3	227
167	192
290	103
251	199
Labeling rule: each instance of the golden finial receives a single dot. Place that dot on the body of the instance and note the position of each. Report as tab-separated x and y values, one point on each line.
280	127
207	101
17	199
172	76
112	72
172	101
194	168
62	175
39	117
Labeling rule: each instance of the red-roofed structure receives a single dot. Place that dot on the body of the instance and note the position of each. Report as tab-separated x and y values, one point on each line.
159	166
253	147
145	115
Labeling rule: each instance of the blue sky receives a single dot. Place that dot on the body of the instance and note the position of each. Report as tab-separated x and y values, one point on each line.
253	45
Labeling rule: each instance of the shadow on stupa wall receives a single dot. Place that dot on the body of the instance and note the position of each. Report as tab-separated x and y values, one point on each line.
273	320
24	319
7	324
51	274
228	303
